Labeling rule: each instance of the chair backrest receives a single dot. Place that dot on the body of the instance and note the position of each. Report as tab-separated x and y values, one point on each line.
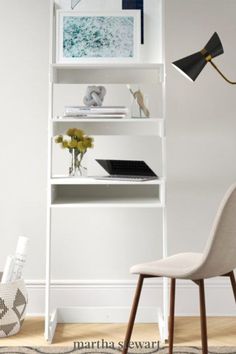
219	256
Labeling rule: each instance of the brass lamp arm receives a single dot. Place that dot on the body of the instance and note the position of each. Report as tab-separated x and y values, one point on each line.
221	74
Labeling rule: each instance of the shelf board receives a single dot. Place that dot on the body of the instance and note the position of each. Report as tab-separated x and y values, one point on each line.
108	120
106	203
98	66
107	73
62	180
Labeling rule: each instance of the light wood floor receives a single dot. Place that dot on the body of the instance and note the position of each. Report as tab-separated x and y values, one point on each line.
221	332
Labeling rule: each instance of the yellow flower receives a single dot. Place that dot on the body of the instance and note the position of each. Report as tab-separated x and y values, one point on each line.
59	139
76	133
65	144
81	147
78	140
79	133
70	132
73	144
88	142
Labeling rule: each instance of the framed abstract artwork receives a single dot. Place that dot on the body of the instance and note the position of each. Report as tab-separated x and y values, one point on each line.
98	37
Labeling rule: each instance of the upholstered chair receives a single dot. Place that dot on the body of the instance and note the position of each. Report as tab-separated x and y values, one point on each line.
217	259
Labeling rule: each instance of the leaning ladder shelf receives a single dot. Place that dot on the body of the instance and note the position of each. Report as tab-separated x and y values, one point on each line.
58	185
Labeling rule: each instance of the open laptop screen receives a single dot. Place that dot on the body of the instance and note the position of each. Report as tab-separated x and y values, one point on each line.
126	168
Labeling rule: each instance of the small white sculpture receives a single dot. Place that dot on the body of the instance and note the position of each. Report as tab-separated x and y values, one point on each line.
94	96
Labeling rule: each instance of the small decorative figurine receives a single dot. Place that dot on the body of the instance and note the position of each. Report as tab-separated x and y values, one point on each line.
94	96
138	102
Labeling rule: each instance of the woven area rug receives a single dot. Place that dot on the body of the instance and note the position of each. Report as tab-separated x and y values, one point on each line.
67	350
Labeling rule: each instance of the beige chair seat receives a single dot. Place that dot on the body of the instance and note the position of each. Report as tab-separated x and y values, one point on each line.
181	266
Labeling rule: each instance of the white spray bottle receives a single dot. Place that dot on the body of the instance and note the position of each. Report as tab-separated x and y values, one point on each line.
20	258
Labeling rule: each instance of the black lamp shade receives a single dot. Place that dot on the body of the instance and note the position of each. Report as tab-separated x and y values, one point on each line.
192	65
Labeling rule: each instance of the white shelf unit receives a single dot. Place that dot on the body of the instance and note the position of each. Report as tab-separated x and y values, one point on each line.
65	192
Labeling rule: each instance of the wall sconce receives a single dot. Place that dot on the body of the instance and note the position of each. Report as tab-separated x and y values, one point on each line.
192	65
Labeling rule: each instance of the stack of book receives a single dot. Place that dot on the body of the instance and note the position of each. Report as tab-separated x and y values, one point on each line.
96	112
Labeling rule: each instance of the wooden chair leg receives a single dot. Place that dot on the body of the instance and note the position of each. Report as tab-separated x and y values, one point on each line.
233	283
133	314
203	316
172	315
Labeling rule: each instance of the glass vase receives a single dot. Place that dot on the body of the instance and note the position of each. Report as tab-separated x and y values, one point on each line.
76	168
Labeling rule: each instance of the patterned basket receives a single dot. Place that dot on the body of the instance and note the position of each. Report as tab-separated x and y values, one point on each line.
13	302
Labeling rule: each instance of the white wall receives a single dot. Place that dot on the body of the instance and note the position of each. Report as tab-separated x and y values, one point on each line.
201	132
201	120
201	156
23	143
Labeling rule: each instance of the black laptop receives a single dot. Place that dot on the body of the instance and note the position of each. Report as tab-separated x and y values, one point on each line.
126	170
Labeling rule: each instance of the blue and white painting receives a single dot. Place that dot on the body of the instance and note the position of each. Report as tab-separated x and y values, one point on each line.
98	36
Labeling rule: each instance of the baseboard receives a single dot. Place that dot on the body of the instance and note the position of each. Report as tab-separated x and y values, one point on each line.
110	300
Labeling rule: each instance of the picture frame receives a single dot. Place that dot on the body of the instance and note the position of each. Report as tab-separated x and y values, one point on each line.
98	37
138	5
